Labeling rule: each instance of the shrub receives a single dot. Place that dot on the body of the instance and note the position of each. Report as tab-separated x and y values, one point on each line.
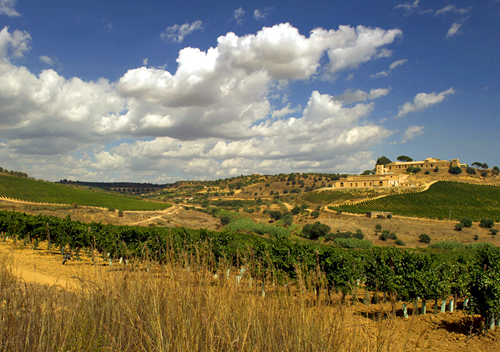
389	216
470	170
224	220
399	243
384	236
459	226
378	228
476	237
393	236
120	213
484	174
467	222
380	216
427	172
455	170
487	223
315	230
358	234
436	169
315	214
493	232
424	238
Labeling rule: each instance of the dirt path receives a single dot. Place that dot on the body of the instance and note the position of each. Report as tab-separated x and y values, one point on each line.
174	209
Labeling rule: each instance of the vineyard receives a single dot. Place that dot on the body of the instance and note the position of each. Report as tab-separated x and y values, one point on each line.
464	200
472	275
45	192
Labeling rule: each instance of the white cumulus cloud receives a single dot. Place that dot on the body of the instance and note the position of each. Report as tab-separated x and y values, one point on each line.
261	14
14	45
412	132
47	60
177	33
454	29
423	101
238	15
7	8
397	63
211	118
349	96
452	8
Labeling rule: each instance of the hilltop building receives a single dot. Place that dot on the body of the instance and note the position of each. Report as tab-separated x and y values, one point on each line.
427	164
394	174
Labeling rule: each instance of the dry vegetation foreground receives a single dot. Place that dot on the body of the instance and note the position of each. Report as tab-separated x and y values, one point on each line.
83	306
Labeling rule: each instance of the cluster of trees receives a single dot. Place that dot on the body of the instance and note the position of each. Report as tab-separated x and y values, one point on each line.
14	173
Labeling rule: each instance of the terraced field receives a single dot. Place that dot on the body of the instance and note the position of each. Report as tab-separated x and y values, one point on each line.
44	192
465	200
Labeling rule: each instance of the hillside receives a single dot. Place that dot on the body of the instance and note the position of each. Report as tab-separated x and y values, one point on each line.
464	200
28	190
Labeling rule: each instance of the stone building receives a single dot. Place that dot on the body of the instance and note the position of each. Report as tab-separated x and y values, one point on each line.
427	164
360	181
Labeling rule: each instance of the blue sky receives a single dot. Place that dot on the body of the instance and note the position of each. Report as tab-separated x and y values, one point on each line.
160	91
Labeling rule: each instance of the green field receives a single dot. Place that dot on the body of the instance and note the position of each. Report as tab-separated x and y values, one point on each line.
45	192
465	200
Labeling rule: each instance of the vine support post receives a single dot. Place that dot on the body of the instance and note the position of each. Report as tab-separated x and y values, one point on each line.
443	306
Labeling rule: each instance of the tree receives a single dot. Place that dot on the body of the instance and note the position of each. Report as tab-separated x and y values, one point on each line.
224	220
367	172
467	222
383	161
424	238
315	230
487	223
495	171
455	170
378	228
470	171
404	158
315	214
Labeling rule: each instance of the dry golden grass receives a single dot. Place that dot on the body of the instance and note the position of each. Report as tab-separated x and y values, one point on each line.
172	308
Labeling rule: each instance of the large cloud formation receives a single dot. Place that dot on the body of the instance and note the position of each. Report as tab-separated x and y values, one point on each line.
213	117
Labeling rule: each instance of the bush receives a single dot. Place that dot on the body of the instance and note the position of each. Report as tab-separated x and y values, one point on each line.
385	235
459	226
484	174
315	230
389	216
424	238
493	232
315	214
476	237
224	220
120	213
487	223
358	234
378	228
467	222
399	243
436	169
393	236
470	170
380	216
455	170
427	172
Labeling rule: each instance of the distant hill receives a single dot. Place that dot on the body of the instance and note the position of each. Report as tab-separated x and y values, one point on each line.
46	192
